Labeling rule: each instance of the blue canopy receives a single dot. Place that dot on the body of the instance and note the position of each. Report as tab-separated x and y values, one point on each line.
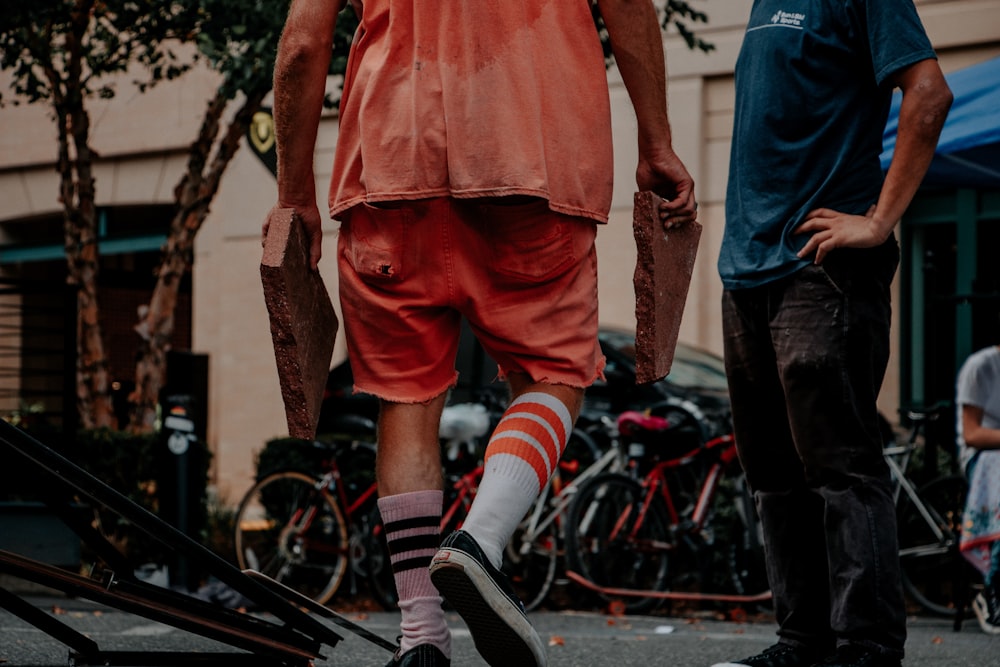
968	152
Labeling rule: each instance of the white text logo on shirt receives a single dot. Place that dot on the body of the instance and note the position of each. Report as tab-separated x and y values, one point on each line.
788	18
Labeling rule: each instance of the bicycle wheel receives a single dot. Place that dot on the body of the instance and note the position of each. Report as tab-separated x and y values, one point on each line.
531	565
606	545
294	533
356	462
745	543
931	565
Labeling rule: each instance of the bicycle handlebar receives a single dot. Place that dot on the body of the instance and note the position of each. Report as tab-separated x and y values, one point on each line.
925	413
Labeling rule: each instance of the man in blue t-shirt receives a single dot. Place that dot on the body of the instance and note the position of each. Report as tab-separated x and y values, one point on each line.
807	260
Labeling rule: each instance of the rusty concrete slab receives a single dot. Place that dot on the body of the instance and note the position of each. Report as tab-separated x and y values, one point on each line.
303	322
663	269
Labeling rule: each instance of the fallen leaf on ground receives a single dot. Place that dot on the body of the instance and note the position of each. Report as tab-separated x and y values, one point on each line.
616	608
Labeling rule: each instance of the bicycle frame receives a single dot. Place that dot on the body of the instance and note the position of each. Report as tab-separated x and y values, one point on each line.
902	483
301	520
330	484
331	480
539	520
929	513
656	484
465	486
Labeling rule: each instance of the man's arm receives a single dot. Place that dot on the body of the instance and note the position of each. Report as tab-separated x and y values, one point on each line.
974	433
924	108
637	43
922	113
300	73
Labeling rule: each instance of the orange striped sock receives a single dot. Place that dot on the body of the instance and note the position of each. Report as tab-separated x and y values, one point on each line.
520	458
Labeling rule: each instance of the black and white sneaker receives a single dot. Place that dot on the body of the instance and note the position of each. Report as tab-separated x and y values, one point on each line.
423	655
855	655
987	608
485	600
779	655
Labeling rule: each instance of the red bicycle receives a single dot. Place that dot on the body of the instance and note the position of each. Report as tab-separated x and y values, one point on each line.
305	530
669	529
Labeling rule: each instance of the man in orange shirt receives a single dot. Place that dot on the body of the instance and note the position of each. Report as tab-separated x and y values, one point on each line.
472	168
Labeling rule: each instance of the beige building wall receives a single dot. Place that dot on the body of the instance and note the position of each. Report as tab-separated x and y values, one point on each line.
142	140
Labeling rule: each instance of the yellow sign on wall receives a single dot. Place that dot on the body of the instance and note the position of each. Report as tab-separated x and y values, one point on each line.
260	134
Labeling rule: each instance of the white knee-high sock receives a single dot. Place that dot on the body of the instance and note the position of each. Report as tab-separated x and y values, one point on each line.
520	458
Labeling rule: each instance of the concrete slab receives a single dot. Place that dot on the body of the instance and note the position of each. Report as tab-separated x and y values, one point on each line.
663	268
303	322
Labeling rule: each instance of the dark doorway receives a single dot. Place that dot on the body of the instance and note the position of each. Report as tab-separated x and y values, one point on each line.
950	289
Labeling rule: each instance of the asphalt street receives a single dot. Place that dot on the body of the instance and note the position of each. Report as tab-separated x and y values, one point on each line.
575	639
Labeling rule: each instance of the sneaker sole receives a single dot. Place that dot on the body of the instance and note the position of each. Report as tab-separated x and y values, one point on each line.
983	616
501	632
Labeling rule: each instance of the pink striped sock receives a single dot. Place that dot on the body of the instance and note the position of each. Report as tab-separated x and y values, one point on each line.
413	534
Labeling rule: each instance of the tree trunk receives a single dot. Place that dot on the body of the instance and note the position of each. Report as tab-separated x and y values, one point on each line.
77	193
194	195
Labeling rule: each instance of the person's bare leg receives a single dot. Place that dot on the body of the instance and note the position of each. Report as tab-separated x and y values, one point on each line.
408	471
409	452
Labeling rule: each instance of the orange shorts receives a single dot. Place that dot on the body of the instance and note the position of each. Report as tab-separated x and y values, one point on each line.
523	276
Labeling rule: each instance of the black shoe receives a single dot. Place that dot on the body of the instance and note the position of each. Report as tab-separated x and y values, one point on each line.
779	655
987	608
423	655
484	598
855	655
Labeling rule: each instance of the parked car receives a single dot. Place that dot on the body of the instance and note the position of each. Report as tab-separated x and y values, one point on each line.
696	376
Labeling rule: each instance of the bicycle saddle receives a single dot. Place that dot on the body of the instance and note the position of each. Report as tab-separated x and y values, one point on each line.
632	423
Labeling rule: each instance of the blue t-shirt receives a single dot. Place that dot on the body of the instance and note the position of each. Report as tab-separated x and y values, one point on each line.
812	98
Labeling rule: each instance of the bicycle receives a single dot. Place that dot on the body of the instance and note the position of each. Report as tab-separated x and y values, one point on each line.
537	550
305	530
628	534
929	517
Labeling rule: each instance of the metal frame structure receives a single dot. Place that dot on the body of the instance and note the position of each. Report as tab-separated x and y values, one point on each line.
294	638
